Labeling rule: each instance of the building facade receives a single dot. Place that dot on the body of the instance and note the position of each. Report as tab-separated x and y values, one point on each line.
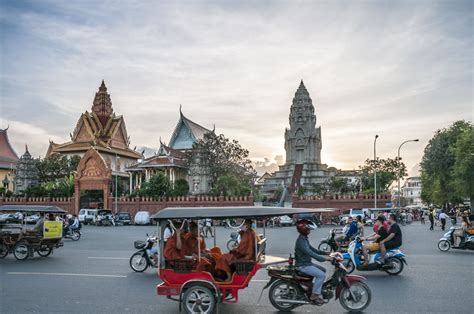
104	131
303	144
411	191
8	162
171	159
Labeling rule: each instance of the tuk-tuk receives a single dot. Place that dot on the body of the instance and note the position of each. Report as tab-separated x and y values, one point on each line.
105	218
25	229
200	291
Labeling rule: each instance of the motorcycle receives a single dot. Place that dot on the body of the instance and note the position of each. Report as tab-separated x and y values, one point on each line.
329	244
290	288
142	259
73	234
447	241
353	259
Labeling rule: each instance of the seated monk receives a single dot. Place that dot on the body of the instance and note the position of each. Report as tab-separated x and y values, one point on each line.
244	251
191	248
174	247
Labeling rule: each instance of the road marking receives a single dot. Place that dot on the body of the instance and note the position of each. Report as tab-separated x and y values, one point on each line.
260	280
65	274
99	257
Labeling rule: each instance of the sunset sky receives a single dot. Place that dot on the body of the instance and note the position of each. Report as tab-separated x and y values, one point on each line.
400	70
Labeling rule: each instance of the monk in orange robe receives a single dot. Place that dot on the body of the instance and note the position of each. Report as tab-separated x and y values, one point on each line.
174	246
244	251
192	248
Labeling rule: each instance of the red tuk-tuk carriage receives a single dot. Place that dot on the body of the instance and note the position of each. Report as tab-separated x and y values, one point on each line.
200	291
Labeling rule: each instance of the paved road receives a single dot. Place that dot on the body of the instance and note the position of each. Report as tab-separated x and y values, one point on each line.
93	276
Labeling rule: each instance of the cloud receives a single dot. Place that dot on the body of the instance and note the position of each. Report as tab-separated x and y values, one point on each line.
267	165
402	70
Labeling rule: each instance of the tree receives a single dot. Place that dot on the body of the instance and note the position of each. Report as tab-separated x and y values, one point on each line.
230	186
388	170
158	185
463	169
181	187
442	181
217	156
56	167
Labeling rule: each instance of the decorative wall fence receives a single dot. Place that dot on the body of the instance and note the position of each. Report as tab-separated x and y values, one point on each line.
342	202
132	205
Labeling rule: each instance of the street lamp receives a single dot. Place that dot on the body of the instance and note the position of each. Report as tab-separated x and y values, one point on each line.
116	179
375	171
415	140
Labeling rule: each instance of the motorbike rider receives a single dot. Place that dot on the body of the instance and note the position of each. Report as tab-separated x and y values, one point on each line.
75	224
304	252
377	236
459	233
393	240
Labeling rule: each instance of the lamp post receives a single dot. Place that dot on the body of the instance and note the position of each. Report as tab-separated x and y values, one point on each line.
375	171
399	197
116	180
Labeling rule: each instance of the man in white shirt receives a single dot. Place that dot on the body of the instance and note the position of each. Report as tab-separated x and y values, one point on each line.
443	217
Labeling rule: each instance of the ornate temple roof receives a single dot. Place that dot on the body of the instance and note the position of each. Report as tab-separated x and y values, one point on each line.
8	156
165	157
100	128
186	133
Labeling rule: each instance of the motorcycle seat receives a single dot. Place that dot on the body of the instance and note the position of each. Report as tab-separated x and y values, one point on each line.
303	276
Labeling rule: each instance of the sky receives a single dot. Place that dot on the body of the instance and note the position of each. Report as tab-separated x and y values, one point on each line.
399	69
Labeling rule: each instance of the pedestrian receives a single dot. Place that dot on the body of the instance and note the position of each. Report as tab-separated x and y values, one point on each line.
208	227
442	218
422	217
431	217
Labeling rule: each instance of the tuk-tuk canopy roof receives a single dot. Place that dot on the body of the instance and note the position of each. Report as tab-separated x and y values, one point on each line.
232	212
32	209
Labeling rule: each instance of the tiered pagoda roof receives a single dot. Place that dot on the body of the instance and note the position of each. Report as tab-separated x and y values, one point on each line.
165	157
186	133
8	156
100	128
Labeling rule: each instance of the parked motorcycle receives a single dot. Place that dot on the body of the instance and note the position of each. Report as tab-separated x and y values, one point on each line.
329	244
290	288
447	241
354	259
73	234
141	259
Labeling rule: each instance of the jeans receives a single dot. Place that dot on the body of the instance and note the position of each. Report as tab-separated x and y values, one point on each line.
319	274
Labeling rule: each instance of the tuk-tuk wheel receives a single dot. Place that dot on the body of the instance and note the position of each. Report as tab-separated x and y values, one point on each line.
21	251
3	250
44	252
199	299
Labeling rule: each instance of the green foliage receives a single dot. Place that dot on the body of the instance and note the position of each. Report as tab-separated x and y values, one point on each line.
159	185
63	187
217	156
181	187
230	186
447	165
56	166
388	170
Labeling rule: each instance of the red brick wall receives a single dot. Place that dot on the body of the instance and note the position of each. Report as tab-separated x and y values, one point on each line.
341	202
132	205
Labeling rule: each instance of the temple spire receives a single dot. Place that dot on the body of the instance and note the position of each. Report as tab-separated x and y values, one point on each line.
102	105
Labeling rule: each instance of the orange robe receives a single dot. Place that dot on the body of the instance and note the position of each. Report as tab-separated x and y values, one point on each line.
244	251
190	247
171	251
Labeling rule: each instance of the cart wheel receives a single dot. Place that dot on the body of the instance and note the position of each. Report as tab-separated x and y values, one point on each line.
21	251
44	252
199	299
3	250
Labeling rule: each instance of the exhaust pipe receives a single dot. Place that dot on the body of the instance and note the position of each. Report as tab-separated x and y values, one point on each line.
291	301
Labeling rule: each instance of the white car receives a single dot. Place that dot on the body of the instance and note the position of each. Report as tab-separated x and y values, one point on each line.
87	216
286	220
142	218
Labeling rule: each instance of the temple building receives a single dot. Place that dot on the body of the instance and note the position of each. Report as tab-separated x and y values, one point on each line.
8	162
26	173
303	144
105	132
171	159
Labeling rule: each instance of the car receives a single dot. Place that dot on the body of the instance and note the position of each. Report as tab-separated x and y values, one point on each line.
123	218
142	218
286	220
31	219
88	216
